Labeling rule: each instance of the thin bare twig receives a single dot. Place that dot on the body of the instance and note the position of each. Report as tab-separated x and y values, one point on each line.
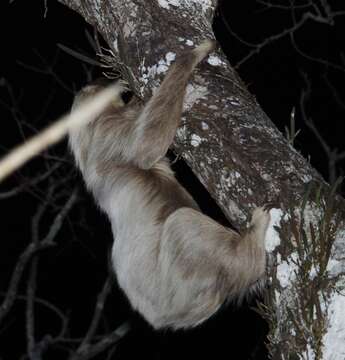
30	312
48	69
105	342
328	18
270	39
101	299
321	13
53	308
55	132
332	154
335	93
79	56
284	7
31	283
17	274
34	349
27	254
29	183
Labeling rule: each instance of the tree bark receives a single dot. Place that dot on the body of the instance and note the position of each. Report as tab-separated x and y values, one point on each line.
233	148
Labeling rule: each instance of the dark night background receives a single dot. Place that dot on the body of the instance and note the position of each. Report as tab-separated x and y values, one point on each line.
37	82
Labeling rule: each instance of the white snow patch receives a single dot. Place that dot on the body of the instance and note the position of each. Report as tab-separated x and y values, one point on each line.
170	56
188	42
182	132
249	126
314	271
272	237
147	72
129	28
166	3
266	177
163	64
312	214
335	267
193	94
234	101
277	296
195	140
115	44
214	60
306	178
308	354
204	126
340	235
286	270
334	339
205	4
160	68
339	244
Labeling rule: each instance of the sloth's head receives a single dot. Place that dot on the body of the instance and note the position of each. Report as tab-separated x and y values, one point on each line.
97	85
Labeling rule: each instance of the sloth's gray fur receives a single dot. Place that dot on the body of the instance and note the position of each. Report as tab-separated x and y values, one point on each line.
176	265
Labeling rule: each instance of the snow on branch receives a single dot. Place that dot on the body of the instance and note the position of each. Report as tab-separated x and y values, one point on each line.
243	161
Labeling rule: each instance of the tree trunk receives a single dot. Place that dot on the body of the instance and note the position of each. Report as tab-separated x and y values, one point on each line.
243	161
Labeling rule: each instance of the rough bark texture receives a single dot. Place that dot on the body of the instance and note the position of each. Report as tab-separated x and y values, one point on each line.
229	142
225	137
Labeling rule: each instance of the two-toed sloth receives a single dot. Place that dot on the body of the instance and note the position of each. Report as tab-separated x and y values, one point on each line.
176	265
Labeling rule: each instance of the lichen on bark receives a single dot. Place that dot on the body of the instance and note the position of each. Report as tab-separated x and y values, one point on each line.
243	161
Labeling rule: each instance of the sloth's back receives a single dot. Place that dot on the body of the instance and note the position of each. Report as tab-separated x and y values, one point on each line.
143	200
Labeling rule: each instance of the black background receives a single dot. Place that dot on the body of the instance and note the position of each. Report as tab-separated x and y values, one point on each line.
72	274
